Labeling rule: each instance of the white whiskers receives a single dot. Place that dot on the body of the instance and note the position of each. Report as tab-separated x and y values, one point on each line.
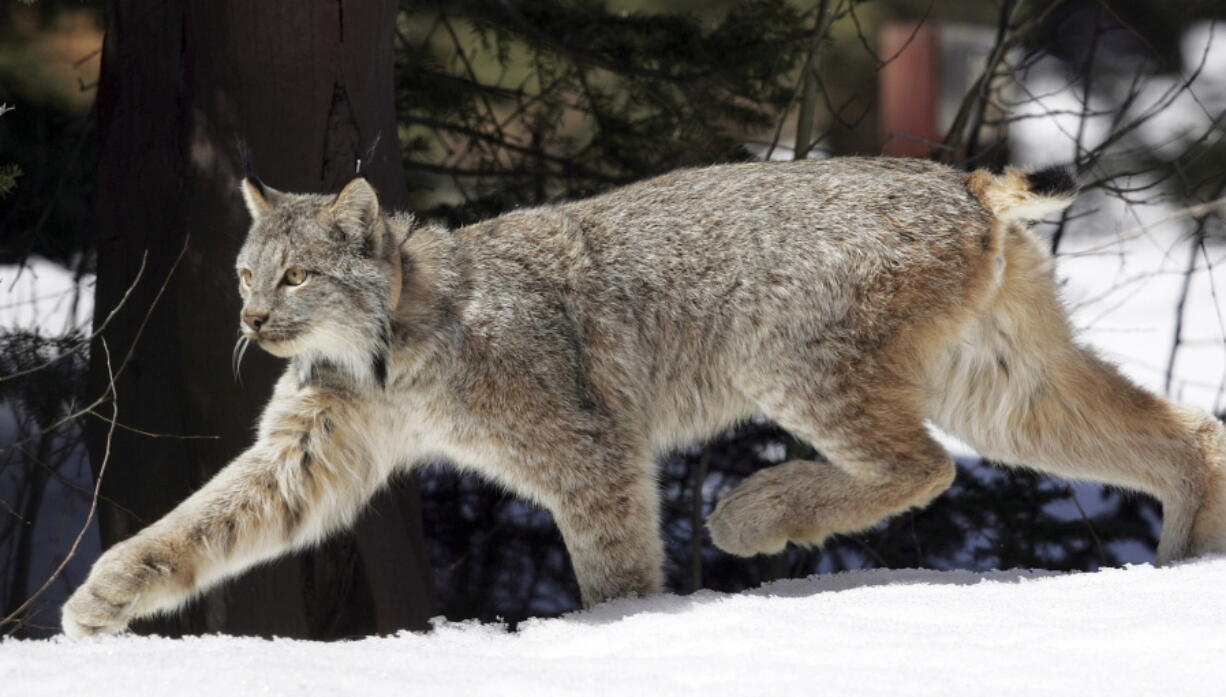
236	357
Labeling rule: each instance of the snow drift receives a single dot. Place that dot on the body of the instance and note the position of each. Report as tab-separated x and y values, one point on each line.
1138	630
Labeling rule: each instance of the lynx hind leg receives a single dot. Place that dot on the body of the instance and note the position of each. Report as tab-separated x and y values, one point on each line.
1022	392
882	462
1075	416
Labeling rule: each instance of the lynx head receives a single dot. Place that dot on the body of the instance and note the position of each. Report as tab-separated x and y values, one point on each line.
319	276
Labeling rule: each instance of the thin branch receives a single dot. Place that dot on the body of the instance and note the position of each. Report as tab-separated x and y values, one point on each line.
14	617
808	78
150	434
77	487
1140	230
1006	39
86	341
1098	543
140	330
1198	242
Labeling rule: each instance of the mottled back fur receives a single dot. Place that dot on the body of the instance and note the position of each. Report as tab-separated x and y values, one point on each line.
559	350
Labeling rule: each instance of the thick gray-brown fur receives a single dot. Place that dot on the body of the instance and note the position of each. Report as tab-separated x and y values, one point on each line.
559	350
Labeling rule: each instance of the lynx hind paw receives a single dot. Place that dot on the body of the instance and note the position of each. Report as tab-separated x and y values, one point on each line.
765	512
747	522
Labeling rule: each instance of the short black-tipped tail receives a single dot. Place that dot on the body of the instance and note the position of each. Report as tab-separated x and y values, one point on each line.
1020	195
1056	181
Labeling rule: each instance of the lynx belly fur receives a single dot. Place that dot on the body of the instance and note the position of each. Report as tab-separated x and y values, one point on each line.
559	350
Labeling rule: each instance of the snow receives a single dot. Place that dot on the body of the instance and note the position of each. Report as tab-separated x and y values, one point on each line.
1132	631
41	296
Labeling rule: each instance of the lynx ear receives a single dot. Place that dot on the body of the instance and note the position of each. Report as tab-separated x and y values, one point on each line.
260	199
356	208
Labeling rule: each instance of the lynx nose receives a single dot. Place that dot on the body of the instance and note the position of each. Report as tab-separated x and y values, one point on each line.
255	320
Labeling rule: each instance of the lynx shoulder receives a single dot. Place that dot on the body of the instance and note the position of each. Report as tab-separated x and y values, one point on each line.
559	350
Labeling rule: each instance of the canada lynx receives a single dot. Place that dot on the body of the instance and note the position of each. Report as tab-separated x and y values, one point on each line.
558	350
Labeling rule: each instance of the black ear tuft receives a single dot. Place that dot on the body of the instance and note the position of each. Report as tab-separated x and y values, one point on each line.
259	185
260	198
246	161
365	158
1056	182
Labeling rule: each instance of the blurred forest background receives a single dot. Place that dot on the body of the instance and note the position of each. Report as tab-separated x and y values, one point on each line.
119	219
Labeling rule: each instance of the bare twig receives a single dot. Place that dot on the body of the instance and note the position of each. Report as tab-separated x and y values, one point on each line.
1198	242
151	434
1098	543
1140	230
77	487
14	618
808	80
86	341
140	330
697	478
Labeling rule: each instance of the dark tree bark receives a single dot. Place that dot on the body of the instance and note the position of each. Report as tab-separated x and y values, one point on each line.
308	84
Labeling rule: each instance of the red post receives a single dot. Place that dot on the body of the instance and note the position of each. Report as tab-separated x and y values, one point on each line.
909	89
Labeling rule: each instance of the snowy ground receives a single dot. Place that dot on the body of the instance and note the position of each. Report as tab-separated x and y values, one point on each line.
1134	631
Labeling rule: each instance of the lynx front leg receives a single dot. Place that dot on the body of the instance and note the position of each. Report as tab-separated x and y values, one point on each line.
303	478
610	522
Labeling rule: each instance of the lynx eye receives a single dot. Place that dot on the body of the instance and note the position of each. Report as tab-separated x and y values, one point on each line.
295	276
244	277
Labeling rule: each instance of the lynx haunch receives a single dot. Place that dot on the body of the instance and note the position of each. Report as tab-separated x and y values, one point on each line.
559	350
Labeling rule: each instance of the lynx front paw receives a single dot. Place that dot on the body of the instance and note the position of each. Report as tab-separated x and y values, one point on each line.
111	595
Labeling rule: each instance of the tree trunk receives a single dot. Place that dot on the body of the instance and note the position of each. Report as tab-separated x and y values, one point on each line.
308	84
